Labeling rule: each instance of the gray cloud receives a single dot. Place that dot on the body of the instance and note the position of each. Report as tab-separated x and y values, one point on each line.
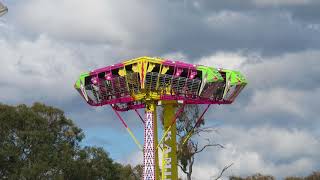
196	28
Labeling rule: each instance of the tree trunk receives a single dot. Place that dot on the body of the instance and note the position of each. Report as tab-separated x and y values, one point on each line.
188	176
190	168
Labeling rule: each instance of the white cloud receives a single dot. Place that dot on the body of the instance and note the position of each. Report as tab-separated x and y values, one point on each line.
298	69
285	144
34	68
134	158
228	60
113	21
277	100
276	151
43	69
175	56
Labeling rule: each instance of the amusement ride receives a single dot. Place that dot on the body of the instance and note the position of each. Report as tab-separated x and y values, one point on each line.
148	82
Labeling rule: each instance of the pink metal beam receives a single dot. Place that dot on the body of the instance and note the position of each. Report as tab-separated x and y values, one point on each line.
128	129
139	115
108	68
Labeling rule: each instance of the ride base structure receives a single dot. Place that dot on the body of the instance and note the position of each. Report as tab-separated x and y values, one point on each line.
148	82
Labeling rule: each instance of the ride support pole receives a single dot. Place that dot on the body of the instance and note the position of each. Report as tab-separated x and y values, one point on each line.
169	154
150	152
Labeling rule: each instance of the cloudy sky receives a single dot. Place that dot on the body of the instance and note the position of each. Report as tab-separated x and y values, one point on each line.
272	128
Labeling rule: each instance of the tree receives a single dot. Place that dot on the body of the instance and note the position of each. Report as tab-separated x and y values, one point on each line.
36	142
39	142
314	176
186	152
253	177
130	173
93	163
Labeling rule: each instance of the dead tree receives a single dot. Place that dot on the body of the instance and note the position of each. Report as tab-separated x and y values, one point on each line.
187	146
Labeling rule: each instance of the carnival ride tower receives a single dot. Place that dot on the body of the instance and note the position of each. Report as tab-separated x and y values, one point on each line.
147	82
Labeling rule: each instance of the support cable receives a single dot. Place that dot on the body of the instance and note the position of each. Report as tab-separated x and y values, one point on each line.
139	115
197	123
128	129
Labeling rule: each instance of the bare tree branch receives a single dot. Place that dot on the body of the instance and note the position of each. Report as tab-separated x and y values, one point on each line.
191	165
182	169
205	130
208	145
188	126
223	170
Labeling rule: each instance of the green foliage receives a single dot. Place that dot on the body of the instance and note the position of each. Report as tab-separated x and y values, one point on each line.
293	178
186	121
130	173
313	176
254	177
39	142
